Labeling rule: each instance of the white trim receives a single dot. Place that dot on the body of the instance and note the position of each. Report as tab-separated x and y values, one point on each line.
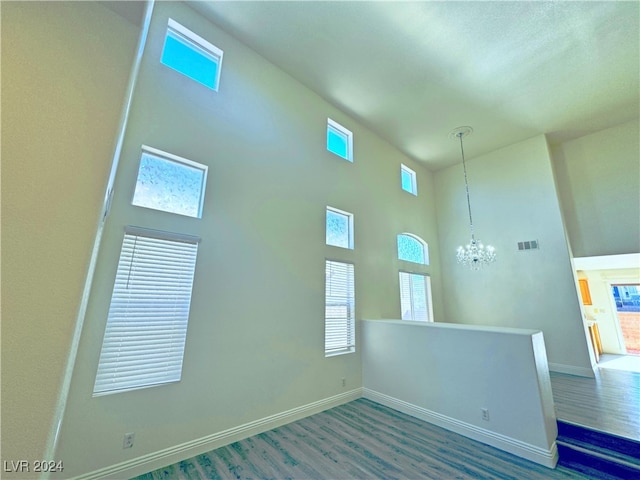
414	180
206	48
571	370
154	152
547	458
613	308
350	234
168	456
162	235
607	262
332	124
185	32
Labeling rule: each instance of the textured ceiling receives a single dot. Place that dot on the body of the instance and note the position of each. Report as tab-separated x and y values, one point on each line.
413	71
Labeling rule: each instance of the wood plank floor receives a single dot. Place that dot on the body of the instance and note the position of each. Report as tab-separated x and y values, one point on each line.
360	440
609	403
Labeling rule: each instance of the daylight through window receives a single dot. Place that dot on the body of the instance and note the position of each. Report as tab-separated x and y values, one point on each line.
146	328
412	248
339	336
415	297
339	229
339	140
169	183
192	55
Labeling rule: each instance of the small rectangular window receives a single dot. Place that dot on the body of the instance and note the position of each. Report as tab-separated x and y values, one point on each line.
146	328
415	297
170	183
339	228
339	334
339	140
192	55
408	180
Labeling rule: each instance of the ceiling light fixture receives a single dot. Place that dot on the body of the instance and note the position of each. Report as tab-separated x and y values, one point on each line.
475	255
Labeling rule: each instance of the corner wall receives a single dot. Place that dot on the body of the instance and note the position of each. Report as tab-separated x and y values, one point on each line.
65	67
255	344
513	198
447	374
598	179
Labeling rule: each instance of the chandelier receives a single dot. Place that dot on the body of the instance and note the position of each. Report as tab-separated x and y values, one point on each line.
474	255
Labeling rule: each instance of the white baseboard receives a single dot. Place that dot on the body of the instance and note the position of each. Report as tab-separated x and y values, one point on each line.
547	458
168	456
572	370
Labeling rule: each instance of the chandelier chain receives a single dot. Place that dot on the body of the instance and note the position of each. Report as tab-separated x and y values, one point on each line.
475	255
466	185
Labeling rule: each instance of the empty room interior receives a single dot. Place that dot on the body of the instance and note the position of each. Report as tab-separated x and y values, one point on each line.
175	174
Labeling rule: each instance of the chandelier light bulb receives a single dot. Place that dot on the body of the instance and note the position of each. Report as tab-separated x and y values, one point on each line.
475	255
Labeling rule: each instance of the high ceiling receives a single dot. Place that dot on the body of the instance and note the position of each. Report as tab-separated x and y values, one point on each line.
413	71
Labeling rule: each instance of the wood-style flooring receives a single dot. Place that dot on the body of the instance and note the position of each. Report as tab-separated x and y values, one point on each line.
365	440
360	440
609	403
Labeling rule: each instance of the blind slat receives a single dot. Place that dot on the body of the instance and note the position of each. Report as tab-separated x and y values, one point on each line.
339	308
147	322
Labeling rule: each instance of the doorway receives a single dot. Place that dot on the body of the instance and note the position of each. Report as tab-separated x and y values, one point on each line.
627	300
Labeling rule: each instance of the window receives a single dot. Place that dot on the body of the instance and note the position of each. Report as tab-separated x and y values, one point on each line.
192	55
339	140
412	249
415	297
408	180
146	327
339	228
339	333
169	183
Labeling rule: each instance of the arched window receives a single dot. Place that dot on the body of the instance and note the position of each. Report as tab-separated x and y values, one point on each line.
412	249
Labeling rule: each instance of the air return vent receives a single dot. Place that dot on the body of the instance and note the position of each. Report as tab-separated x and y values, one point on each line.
528	245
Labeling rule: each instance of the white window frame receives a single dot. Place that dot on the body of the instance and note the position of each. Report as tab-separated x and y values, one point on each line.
428	299
414	179
343	132
154	152
425	248
145	334
350	224
341	327
198	44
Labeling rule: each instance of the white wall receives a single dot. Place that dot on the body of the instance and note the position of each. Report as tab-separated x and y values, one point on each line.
599	187
64	72
513	198
447	374
255	345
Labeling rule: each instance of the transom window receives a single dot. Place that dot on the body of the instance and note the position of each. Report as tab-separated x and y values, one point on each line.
339	333
339	228
415	297
146	328
412	248
408	180
192	55
339	140
170	183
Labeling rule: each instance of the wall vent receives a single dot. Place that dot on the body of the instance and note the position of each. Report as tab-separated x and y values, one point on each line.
528	245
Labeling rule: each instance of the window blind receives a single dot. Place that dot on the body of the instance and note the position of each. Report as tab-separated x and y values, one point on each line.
339	308
413	297
146	328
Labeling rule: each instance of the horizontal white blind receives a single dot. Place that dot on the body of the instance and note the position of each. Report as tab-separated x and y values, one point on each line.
147	323
339	336
413	297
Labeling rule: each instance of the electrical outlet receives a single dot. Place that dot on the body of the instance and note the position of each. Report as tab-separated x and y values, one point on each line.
127	441
344	382
485	414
